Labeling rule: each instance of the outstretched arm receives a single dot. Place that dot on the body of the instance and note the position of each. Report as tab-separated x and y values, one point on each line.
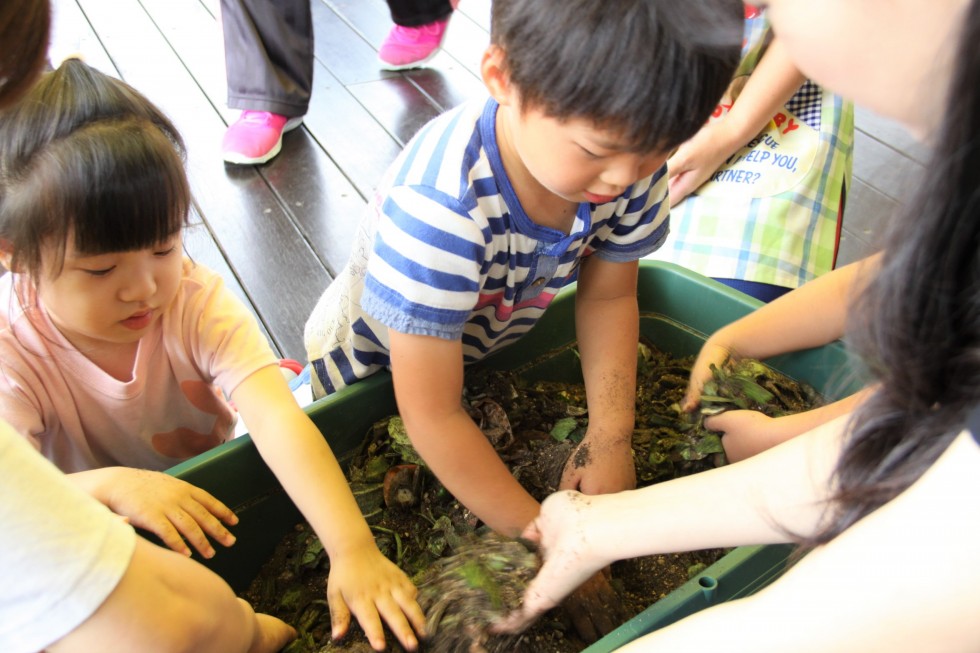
428	374
362	581
428	377
607	328
902	579
813	315
748	432
166	602
751	502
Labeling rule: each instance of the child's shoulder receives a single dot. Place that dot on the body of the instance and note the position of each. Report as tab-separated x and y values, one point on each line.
197	283
444	150
198	275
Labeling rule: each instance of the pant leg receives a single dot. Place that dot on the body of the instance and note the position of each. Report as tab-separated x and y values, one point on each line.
268	54
412	13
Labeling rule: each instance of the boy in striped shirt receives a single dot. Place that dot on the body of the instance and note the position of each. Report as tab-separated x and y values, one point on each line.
496	205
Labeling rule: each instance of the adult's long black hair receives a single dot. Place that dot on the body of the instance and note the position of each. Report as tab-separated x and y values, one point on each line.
917	324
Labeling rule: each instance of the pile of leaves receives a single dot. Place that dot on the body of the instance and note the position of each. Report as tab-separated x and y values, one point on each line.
466	575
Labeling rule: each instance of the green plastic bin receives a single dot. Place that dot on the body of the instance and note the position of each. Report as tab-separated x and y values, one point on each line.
678	309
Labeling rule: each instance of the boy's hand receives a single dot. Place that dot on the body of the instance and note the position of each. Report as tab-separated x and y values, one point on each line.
600	465
594	608
367	584
172	509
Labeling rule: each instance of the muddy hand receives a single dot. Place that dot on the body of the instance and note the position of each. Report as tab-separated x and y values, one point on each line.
594	608
559	531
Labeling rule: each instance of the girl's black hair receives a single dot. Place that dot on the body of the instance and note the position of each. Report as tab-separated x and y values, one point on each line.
25	26
652	70
84	155
917	323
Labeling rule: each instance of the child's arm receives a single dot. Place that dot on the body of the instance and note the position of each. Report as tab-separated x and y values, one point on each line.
428	375
748	432
813	315
768	89
167	603
172	509
362	581
607	329
930	533
428	378
751	502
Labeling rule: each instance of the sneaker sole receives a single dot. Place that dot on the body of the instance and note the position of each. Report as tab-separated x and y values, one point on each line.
236	158
408	66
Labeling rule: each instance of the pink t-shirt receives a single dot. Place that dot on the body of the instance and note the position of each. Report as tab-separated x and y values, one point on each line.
174	407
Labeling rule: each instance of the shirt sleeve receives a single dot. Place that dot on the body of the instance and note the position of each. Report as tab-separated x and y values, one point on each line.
423	276
61	551
221	332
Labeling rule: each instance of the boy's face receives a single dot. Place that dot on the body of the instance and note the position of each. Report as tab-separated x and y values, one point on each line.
573	159
111	299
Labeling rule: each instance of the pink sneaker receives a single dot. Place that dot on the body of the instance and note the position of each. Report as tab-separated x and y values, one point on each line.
256	137
412	47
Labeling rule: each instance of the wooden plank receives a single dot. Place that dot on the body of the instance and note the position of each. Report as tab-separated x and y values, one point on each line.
890	171
337	123
465	41
71	34
868	211
369	18
262	245
477	11
890	132
445	80
315	195
341	49
200	247
397	105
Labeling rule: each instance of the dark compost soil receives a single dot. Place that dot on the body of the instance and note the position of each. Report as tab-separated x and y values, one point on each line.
466	575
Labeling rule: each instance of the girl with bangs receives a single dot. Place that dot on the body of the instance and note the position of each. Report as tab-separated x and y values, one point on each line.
118	356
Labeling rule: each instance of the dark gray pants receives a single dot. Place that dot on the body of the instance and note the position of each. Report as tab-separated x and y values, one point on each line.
269	49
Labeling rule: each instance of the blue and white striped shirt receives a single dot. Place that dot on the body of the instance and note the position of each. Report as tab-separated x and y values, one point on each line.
446	250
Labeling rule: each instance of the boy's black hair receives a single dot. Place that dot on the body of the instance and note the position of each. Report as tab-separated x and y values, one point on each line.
650	70
84	155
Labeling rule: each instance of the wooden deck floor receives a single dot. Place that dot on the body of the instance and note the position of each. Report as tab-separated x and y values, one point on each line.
279	232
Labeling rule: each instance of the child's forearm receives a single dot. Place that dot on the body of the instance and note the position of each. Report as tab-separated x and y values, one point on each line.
796	424
810	316
464	461
770	86
167	602
806	611
608	334
743	503
299	456
428	379
313	479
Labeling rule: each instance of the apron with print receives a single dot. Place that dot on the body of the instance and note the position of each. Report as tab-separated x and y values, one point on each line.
771	213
